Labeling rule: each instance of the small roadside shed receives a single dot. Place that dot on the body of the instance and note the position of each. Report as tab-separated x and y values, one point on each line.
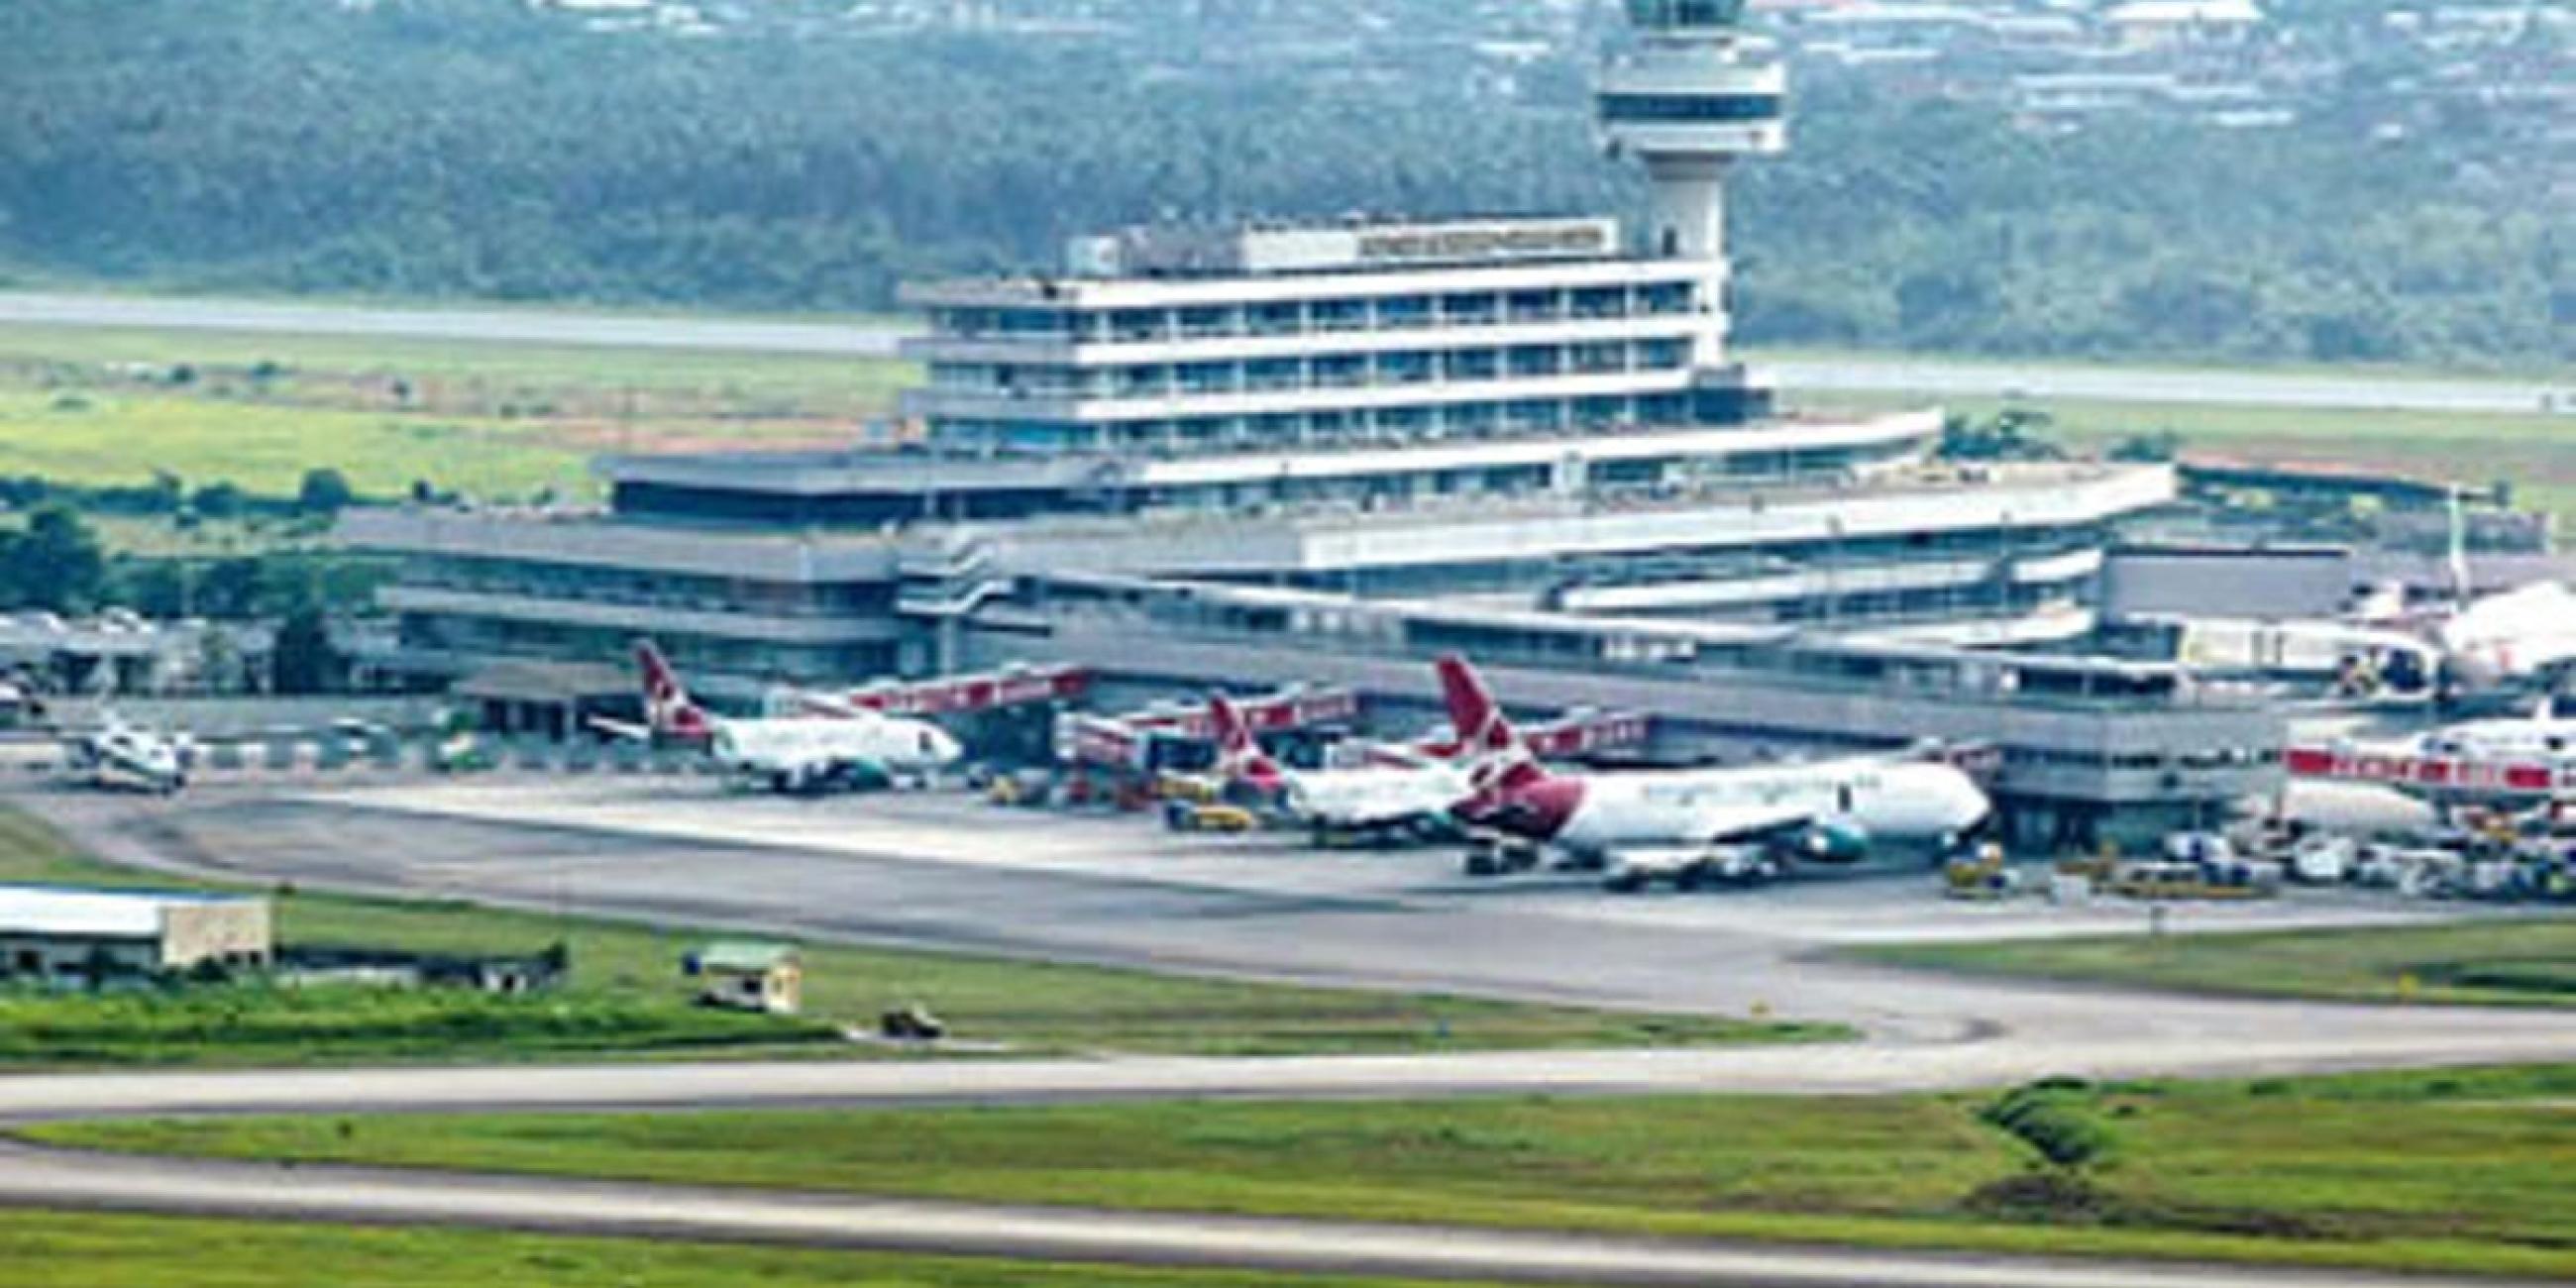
749	976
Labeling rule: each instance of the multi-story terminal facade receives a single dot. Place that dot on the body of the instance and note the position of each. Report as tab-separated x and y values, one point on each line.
1179	341
1371	438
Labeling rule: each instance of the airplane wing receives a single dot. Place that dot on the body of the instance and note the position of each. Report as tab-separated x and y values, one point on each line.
1749	825
622	730
1638	864
1397	756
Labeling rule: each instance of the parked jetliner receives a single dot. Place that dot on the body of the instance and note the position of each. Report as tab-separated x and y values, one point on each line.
121	754
2547	737
791	754
1689	826
1412	795
2517	636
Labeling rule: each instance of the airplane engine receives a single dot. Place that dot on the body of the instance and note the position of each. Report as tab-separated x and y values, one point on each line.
1831	842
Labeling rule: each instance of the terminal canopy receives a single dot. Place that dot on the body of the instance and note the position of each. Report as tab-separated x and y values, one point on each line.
1684	16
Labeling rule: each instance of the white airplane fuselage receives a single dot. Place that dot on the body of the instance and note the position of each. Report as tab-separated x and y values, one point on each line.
1373	797
1885	802
2515	636
806	751
2551	741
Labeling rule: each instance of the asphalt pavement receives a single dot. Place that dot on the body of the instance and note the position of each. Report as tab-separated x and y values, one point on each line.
367	1197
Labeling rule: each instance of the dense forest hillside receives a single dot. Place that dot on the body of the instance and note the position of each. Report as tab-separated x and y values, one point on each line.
486	148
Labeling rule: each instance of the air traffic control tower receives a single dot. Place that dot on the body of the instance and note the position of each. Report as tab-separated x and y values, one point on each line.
1688	101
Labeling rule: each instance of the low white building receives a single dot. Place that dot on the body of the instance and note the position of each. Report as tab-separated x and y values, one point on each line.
54	934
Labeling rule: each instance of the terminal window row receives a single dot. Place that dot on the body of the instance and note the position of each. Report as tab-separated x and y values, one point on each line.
1318	316
1359	427
1329	371
652	589
695	654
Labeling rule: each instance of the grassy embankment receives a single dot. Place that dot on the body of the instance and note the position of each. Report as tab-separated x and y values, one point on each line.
62	1250
627	997
2516	963
2457	1171
102	407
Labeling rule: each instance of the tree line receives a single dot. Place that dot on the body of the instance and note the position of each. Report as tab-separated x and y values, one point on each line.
478	148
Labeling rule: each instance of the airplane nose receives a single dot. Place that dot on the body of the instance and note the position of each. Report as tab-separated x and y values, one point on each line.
1972	808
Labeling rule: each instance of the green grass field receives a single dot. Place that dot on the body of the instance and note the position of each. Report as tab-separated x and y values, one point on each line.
2458	1171
1031	1007
259	1024
2516	963
66	1250
120	438
110	406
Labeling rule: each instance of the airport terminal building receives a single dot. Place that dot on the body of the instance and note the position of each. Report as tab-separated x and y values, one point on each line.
1284	452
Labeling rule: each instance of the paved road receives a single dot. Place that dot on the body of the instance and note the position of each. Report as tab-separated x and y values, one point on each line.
2171	387
621	331
360	1196
877	339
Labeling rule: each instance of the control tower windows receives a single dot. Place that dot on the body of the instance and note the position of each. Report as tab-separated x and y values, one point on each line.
1677	15
1691	109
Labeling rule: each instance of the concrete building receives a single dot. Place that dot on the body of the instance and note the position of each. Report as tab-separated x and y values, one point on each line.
1528	435
56	935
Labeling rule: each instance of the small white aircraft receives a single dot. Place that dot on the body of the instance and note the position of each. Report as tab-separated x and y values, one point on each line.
1692	826
796	755
1406	794
128	756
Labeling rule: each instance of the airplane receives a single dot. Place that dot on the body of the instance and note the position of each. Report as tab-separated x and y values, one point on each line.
2548	736
792	755
122	754
2518	636
1690	826
1401	795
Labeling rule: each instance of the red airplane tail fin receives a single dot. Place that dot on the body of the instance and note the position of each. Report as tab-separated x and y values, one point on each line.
1492	750
668	708
1238	753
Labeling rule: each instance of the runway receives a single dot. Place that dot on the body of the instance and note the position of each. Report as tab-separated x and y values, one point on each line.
877	339
357	1196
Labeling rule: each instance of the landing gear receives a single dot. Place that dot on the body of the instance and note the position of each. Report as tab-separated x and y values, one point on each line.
1495	858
